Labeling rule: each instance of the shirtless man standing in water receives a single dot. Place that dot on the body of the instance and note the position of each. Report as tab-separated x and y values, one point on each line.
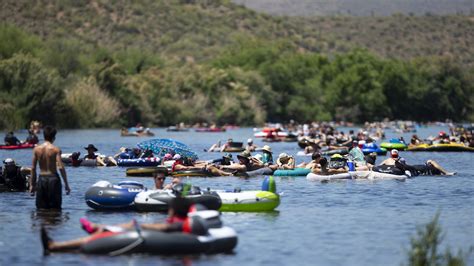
48	188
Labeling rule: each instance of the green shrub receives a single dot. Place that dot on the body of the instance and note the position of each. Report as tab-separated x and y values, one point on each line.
425	251
32	89
92	106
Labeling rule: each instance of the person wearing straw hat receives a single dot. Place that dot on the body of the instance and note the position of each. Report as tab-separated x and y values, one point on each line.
285	162
267	156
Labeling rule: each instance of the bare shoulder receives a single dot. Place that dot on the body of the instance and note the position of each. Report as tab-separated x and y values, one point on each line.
37	149
57	149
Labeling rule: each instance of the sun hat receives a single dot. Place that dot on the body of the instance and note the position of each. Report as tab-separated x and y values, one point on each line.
168	156
90	146
176	157
250	141
267	149
244	155
283	155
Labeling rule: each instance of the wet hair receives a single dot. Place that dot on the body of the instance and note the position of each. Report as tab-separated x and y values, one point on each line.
75	155
180	206
49	133
316	155
323	161
370	159
187	161
159	174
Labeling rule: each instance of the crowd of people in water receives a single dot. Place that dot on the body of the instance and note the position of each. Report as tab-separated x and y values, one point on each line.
43	179
317	139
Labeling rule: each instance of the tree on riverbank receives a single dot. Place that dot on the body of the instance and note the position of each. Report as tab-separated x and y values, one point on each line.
164	62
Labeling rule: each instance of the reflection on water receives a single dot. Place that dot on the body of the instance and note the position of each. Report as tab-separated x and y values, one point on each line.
48	218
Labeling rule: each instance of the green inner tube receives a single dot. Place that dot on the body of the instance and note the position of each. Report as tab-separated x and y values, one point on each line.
145	171
249	201
391	146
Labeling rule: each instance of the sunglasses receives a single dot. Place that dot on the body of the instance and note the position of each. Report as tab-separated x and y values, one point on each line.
161	178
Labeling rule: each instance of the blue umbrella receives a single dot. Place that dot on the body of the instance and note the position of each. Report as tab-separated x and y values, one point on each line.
162	146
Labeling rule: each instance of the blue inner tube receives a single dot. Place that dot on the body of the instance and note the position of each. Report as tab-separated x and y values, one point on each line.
113	198
138	162
379	151
294	172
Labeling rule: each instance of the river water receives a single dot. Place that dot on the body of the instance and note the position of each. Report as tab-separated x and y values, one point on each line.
340	223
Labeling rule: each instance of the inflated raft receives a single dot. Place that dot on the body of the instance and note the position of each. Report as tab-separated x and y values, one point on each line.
441	147
9	188
261	171
394	144
251	201
325	153
368	149
153	161
105	196
159	200
208	129
67	160
210	238
388	169
293	172
234	149
372	175
145	171
332	152
316	177
191	173
17	147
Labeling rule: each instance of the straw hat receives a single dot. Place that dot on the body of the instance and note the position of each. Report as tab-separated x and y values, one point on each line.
267	149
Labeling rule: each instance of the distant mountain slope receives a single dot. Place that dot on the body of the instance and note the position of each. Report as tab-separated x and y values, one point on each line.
359	7
200	30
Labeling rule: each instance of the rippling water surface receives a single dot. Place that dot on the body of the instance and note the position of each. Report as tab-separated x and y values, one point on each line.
340	223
